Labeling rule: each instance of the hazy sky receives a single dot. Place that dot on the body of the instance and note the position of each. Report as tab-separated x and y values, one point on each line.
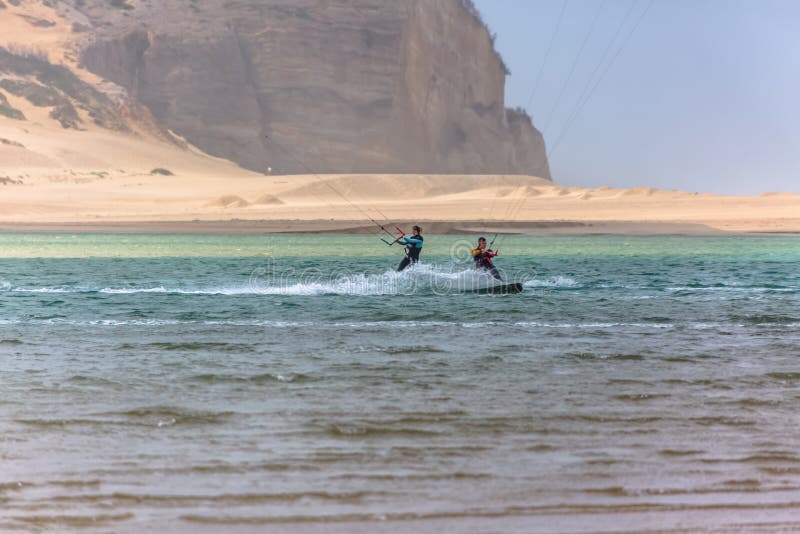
705	96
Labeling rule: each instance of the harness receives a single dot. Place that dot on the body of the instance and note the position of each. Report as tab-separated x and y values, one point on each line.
412	249
482	258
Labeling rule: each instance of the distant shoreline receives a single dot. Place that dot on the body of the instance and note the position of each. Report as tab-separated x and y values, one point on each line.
241	226
215	201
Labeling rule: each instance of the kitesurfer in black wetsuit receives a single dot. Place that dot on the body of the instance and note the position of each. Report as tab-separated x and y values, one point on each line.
483	258
413	247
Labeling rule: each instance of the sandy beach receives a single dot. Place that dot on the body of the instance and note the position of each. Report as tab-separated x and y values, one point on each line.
96	180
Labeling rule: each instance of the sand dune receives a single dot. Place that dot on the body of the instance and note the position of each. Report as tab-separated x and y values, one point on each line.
229	201
267	200
207	189
387	187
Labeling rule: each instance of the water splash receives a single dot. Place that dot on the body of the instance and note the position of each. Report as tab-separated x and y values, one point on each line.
419	279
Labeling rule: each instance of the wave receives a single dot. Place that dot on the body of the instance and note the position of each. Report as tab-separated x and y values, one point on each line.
612	357
690	288
766	319
376	431
355	325
595	325
192	346
255	379
44	290
358	325
553	282
784	377
169	499
389	283
157	416
421	278
72	521
729	288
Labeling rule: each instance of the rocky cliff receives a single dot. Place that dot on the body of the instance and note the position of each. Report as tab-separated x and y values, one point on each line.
345	85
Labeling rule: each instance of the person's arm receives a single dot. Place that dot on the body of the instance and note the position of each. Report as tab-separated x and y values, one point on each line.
491	253
412	241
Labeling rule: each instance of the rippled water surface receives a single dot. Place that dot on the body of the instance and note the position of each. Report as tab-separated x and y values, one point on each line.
295	383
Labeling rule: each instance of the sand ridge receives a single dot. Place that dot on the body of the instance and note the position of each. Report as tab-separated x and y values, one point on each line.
206	189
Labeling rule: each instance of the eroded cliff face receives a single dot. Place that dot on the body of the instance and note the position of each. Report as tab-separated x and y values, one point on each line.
344	85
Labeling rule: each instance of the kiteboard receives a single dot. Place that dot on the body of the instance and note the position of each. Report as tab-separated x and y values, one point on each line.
503	289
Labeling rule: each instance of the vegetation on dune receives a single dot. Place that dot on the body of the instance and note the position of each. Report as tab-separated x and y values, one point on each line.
10	142
67	115
60	79
162	171
38	95
7	111
121	4
37	22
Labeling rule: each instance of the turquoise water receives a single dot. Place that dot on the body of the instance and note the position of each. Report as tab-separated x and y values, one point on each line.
295	382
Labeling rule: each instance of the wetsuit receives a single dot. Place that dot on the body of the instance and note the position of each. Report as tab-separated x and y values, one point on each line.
483	260
413	248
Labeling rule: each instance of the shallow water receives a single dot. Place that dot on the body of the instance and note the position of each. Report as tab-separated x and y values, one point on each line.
297	383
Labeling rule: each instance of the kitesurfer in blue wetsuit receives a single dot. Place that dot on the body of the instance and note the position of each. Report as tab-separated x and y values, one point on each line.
413	245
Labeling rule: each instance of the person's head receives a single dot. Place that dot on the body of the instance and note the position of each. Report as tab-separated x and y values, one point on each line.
481	242
416	230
